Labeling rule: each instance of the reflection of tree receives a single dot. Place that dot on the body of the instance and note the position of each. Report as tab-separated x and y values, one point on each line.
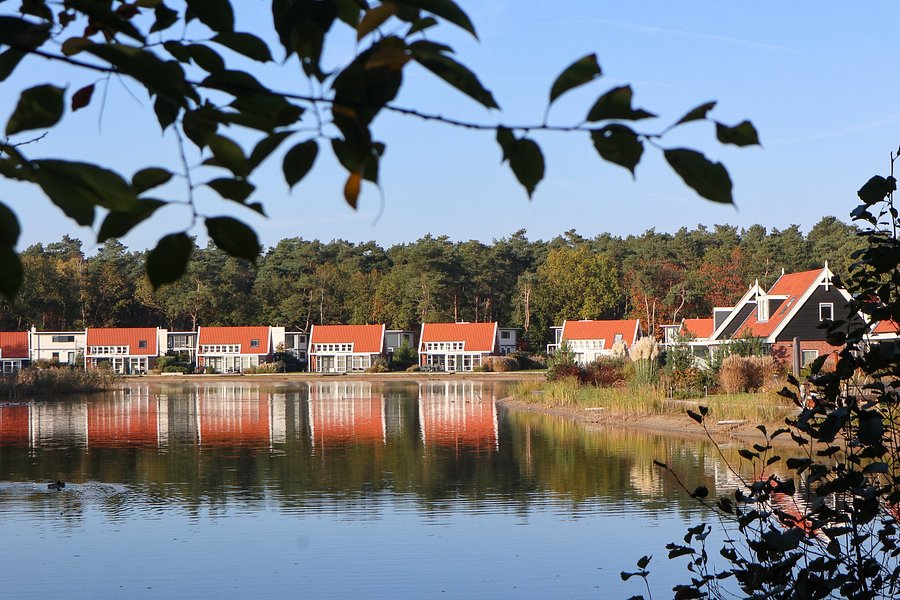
262	450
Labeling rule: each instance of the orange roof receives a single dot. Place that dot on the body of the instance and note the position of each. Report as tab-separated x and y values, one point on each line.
601	330
886	326
478	337
792	285
699	328
14	344
127	336
365	338
208	336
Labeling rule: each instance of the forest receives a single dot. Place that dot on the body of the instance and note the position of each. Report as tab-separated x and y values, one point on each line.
657	277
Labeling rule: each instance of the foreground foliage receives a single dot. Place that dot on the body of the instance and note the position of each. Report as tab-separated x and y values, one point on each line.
824	522
33	381
201	73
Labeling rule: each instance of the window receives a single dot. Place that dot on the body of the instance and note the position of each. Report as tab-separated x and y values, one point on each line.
807	356
504	335
254	343
142	343
826	311
54	356
762	310
62	339
617	338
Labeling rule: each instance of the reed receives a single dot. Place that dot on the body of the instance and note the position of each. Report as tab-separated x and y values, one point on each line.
37	382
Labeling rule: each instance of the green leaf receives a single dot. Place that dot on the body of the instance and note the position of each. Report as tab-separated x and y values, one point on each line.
359	157
527	163
234	237
236	83
206	58
102	15
375	18
237	190
9	227
454	73
82	97
422	25
616	104
742	134
166	111
445	9
118	224
9	60
267	112
697	113
10	272
709	179
215	14
165	78
298	161
245	43
39	107
165	18
582	71
507	142
267	146
149	178
229	154
168	261
78	187
619	145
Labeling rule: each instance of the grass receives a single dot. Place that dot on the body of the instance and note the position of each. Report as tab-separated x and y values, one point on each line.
35	382
645	401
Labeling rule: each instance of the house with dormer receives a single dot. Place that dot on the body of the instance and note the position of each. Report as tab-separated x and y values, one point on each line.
345	348
14	352
234	349
124	350
591	339
789	316
457	346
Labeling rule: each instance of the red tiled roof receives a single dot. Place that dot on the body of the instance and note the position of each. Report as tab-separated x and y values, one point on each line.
701	329
478	337
601	330
792	285
127	336
14	344
886	326
368	339
209	336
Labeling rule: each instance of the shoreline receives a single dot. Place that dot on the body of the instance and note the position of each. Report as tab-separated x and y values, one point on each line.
374	377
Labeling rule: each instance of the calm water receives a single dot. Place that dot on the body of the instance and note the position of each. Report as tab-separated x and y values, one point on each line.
332	490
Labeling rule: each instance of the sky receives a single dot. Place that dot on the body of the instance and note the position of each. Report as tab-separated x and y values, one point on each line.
815	79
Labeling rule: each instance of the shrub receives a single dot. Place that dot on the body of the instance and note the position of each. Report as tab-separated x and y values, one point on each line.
413	369
377	368
561	371
502	364
269	367
605	372
747	374
403	358
175	369
529	361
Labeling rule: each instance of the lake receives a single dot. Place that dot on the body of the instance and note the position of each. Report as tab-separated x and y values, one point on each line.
333	489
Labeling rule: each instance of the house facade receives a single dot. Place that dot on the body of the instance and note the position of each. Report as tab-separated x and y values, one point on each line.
296	343
126	350
14	352
345	348
63	347
234	349
794	308
457	346
590	340
508	339
182	342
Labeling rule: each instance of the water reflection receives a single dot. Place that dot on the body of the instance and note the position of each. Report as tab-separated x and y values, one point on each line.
346	470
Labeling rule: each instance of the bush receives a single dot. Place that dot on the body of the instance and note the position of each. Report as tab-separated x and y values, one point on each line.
561	371
502	364
529	361
747	374
377	368
269	367
403	358
605	372
413	369
175	369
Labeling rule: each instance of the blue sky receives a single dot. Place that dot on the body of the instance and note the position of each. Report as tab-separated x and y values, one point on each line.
815	78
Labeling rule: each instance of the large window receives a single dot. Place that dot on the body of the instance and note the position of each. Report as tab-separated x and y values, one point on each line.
220	349
807	356
62	339
333	347
504	335
826	311
444	346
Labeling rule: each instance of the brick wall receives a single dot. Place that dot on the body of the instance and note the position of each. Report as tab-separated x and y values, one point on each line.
782	350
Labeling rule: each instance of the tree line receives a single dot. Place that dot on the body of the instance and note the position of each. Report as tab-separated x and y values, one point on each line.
533	284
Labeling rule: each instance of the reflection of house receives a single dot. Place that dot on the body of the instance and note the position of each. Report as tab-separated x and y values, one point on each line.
456	346
343	413
15	421
37	423
458	414
794	307
590	340
234	415
131	350
131	420
345	348
64	347
233	349
13	350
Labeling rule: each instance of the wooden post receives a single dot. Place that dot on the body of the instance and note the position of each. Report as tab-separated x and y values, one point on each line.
795	357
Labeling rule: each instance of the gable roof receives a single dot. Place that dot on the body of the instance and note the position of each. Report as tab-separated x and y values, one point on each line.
208	336
629	329
749	297
701	329
478	337
125	336
13	344
793	286
367	339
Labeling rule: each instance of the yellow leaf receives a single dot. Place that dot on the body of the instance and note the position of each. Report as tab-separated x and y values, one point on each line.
374	18
74	45
351	189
